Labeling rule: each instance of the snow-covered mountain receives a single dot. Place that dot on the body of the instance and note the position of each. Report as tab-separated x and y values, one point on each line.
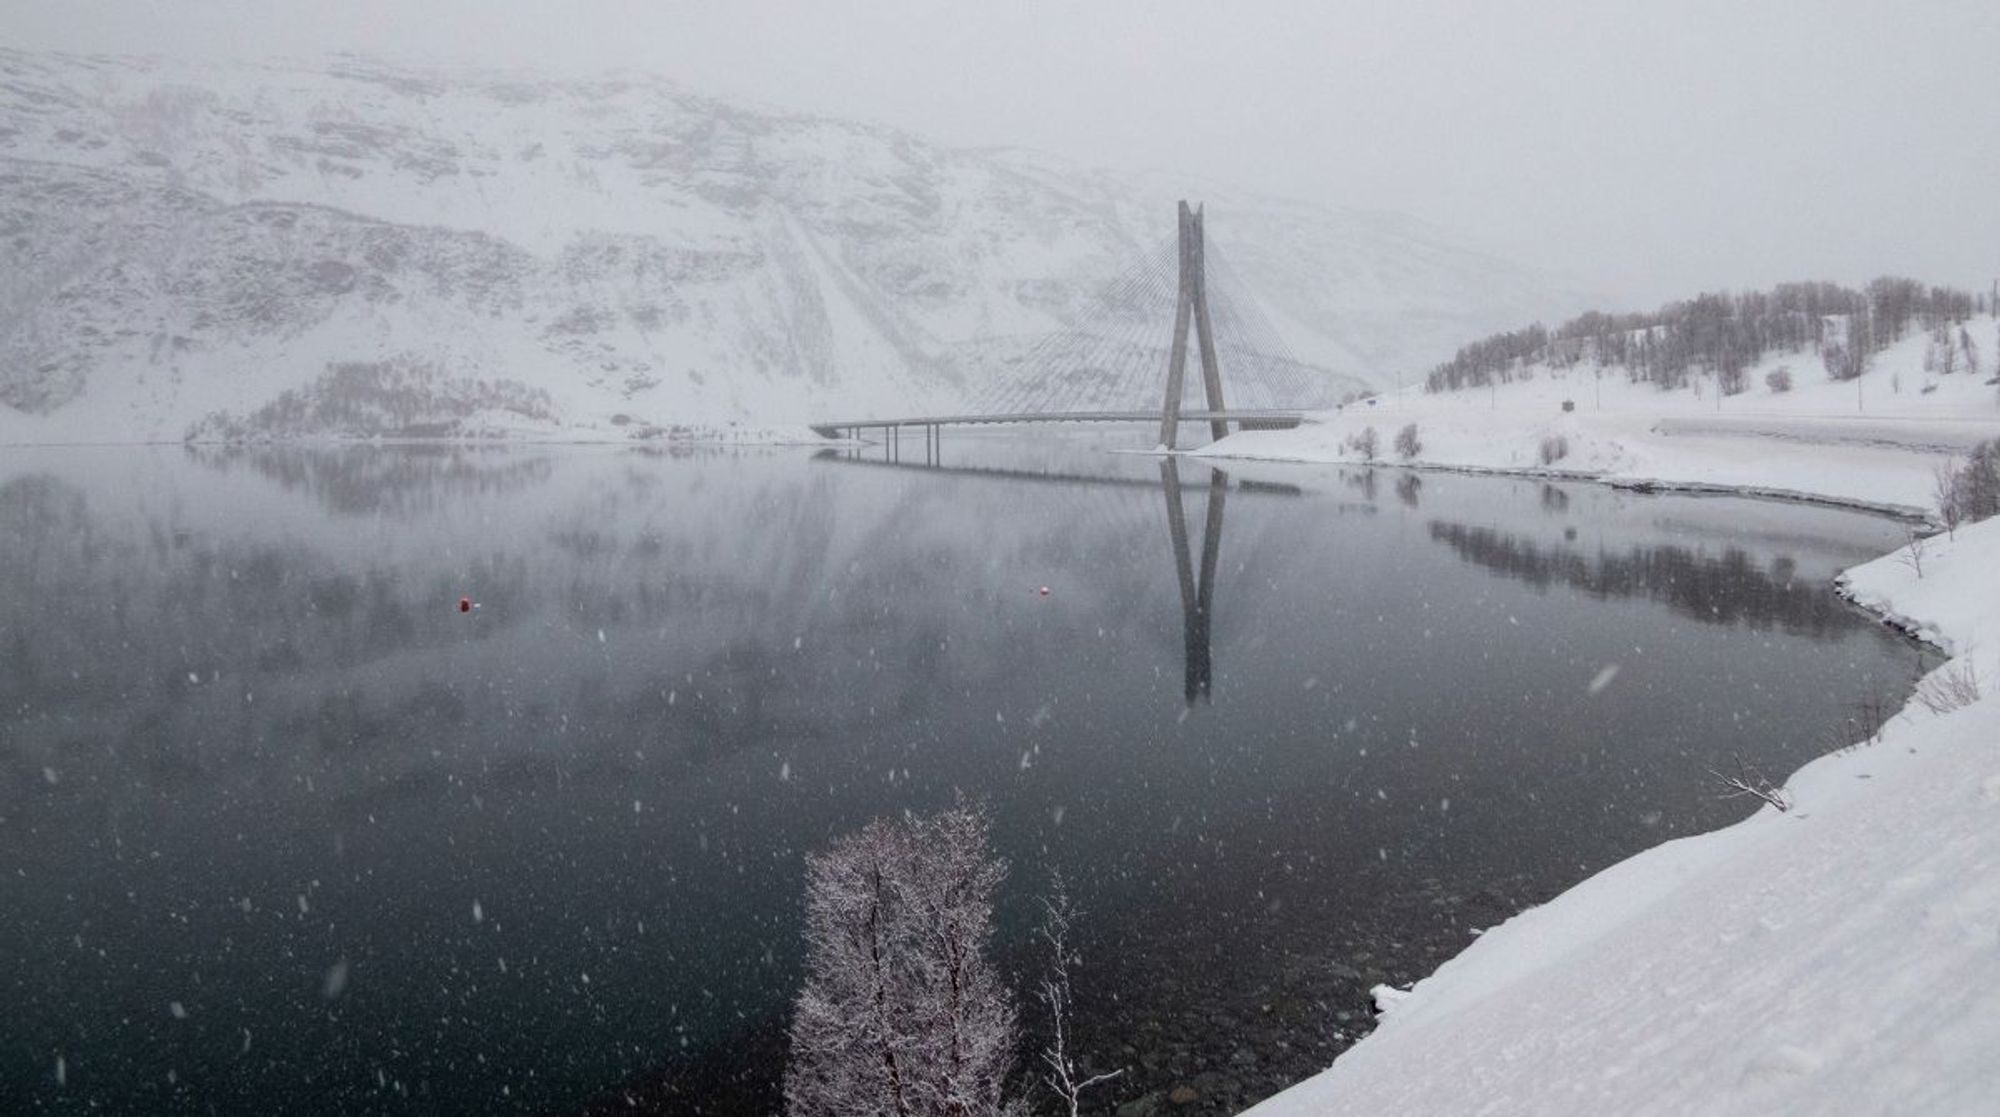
227	251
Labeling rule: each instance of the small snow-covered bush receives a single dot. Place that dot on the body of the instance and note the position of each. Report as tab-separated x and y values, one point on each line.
1554	449
1845	362
1367	444
1949	687
1913	554
1407	443
1779	379
1748	781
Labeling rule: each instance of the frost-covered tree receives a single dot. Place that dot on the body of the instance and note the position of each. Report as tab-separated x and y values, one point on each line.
1063	1074
1407	442
1941	355
1969	492
902	1014
1848	358
1367	444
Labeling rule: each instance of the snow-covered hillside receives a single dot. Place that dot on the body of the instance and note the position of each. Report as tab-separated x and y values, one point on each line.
1876	440
271	251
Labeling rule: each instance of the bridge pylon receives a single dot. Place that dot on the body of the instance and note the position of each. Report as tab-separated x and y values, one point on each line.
1192	303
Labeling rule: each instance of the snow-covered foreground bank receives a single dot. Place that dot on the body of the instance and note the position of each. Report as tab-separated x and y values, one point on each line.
1842	957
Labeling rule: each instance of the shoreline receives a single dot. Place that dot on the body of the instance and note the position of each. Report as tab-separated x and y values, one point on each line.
1907	512
1484	1013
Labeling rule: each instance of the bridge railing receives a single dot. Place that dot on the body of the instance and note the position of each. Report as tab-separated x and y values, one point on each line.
1246	419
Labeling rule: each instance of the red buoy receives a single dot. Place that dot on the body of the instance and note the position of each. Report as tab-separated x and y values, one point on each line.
465	605
1045	591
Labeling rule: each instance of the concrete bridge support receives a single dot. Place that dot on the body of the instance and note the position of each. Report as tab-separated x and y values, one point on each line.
1192	304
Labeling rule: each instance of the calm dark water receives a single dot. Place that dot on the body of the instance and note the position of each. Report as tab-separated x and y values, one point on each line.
282	830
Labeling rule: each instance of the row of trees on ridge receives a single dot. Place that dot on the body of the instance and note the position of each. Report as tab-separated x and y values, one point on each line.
1724	334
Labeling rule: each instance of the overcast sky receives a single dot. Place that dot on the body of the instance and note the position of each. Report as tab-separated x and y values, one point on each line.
1649	149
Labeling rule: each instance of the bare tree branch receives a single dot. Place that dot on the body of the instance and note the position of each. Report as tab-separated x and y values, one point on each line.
1063	1077
1749	781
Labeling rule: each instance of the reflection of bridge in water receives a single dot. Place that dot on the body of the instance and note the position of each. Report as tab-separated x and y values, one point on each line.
1197	583
1104	368
1197	597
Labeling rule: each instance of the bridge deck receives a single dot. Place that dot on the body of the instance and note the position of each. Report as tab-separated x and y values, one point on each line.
1002	473
1249	419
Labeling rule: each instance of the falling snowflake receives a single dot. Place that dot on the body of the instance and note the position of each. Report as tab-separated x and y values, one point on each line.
1603	678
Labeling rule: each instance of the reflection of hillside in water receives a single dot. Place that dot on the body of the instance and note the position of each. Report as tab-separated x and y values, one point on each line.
264	650
688	672
171	601
1728	588
400	481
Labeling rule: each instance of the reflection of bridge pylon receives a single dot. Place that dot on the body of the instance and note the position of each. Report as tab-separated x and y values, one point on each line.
1197	586
1197	597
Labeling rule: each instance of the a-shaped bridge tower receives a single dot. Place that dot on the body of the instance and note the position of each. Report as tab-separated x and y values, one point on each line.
1192	302
1104	367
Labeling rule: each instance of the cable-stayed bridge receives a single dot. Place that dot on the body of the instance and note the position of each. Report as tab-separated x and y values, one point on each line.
1126	359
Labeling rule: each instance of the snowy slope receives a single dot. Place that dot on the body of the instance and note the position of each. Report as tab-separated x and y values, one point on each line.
1874	441
182	245
1841	957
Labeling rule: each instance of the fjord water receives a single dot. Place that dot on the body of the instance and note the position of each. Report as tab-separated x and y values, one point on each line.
283	830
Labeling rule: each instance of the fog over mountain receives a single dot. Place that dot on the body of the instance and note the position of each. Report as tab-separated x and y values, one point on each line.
1652	150
222	250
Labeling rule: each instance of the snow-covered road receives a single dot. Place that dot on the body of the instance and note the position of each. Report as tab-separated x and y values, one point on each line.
1919	434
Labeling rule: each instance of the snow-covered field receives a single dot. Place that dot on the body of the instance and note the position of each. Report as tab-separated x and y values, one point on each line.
1873	441
1839	957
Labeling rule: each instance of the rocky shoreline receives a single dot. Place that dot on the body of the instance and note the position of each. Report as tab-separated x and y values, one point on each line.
1209	1029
